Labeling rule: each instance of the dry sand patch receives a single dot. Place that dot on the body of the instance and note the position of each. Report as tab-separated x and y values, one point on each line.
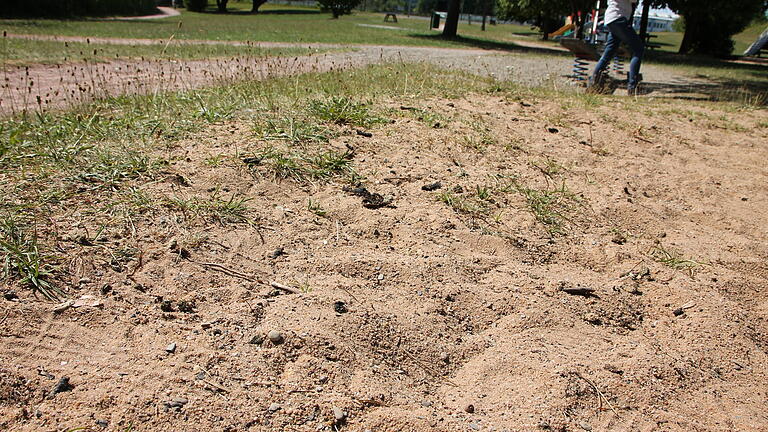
459	308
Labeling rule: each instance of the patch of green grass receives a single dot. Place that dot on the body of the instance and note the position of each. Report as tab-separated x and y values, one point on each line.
674	259
461	204
316	208
342	110
224	211
303	167
22	259
549	167
277	23
553	208
293	130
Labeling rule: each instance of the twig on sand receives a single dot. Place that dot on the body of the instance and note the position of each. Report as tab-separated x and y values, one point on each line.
228	271
600	396
285	288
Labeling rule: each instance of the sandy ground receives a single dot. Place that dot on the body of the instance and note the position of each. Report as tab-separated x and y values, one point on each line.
58	86
417	316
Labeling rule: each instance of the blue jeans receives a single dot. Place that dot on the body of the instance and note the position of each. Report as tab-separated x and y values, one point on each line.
622	31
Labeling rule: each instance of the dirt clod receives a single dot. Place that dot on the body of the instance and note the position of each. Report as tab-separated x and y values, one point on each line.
61	386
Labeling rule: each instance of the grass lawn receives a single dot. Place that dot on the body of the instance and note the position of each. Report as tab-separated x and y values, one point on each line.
306	25
670	41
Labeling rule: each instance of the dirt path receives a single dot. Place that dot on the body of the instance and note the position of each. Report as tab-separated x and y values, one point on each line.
58	86
166	12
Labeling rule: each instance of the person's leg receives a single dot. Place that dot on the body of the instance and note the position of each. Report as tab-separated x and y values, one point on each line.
624	31
611	46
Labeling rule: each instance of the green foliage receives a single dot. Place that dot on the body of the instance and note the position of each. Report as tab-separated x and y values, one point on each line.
21	258
342	111
545	14
75	8
679	25
196	5
338	7
710	24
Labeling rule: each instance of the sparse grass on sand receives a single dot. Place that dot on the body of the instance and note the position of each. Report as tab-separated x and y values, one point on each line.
19	52
96	157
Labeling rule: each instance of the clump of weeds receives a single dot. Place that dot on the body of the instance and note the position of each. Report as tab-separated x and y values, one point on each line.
553	208
22	258
303	167
674	259
343	111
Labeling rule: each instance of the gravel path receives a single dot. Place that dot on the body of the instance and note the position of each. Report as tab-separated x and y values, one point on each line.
59	86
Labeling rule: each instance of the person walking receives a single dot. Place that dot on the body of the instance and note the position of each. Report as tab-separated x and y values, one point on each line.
618	19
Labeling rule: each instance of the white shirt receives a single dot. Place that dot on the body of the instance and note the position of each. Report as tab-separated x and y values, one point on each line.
618	9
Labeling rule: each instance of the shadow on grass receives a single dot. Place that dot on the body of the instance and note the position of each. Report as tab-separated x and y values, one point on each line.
267	12
751	70
490	44
741	91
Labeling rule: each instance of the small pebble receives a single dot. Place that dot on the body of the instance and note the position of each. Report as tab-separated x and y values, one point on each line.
339	415
274	407
171	348
444	357
474	426
585	426
469	408
275	337
102	423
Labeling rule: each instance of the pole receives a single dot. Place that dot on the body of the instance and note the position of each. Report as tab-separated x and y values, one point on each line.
644	20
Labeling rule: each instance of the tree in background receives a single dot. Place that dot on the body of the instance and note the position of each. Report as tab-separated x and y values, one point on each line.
221	5
710	24
256	5
338	7
426	7
196	5
452	20
79	8
547	15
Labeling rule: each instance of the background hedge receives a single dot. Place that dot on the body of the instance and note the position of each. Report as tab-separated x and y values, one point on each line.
75	8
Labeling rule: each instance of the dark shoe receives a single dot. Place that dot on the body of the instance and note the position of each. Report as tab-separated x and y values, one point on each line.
601	84
596	82
637	91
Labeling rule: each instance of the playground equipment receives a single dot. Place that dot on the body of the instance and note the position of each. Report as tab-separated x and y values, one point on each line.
585	49
569	26
758	46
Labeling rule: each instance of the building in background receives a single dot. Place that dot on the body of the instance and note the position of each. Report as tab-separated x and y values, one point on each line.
659	20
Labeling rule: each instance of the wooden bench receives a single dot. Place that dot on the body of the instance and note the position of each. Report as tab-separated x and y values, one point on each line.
649	44
394	17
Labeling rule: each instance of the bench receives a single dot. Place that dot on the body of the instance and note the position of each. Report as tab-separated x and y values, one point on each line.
394	17
649	44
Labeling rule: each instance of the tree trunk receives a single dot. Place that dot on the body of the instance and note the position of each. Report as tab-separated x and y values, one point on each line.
336	13
222	5
256	5
452	20
688	37
485	16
